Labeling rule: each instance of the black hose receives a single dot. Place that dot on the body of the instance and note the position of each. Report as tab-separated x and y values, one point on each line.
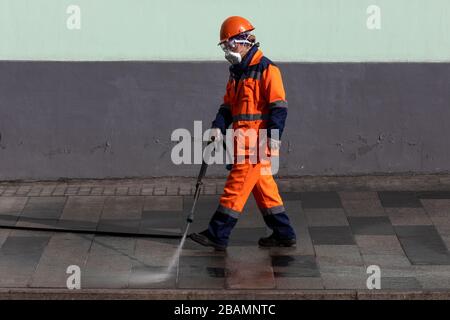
96	232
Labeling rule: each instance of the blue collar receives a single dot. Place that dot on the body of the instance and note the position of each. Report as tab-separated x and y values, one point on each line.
238	69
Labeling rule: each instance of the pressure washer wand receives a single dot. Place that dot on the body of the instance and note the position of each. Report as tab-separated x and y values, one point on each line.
198	187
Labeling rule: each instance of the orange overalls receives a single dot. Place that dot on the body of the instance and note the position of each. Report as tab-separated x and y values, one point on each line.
254	99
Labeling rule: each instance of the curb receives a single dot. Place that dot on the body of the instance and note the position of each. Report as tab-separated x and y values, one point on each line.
199	294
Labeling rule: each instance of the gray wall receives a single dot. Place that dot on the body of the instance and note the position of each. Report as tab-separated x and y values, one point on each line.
114	119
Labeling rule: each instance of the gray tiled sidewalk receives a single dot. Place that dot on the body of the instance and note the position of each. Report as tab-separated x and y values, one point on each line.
401	224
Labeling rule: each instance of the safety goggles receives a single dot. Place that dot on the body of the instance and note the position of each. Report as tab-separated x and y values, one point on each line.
233	42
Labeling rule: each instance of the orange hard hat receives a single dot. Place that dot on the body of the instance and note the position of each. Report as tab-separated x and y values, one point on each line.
232	26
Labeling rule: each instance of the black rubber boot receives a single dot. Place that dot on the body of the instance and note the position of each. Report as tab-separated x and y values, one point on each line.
218	232
203	239
274	241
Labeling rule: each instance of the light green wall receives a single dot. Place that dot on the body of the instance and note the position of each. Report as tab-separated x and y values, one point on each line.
289	30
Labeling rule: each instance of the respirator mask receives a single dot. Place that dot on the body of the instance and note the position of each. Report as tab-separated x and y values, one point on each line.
230	45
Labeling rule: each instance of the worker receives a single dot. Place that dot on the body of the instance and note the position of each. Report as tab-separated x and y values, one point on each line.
254	99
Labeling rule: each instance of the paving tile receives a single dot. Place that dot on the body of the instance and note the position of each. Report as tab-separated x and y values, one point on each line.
284	185
23	190
292	266
338	255
249	268
363	208
82	212
321	199
109	191
71	190
437	269
399	199
119	225
344	277
439	212
358	195
4	234
209	188
433	277
437	208
84	191
434	281
386	260
212	261
153	256
25	222
447	241
400	283
48	190
19	257
408	216
172	190
147	190
160	191
247	236
97	191
185	190
63	250
307	283
121	191
60	190
442	229
152	221
296	213
10	209
423	245
43	208
379	244
134	191
442	224
220	186
30	233
151	277
340	235
163	203
326	217
109	263
371	226
433	195
107	280
10	191
357	232
155	252
291	196
35	191
202	272
121	214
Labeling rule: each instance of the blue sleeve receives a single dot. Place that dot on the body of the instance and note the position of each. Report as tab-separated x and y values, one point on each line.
277	117
223	118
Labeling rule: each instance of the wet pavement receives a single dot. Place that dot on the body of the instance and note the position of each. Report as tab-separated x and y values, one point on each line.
400	224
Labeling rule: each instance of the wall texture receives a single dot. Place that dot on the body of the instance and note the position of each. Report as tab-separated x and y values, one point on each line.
114	119
102	99
289	30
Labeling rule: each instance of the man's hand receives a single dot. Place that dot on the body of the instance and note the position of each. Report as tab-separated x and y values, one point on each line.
274	144
215	135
